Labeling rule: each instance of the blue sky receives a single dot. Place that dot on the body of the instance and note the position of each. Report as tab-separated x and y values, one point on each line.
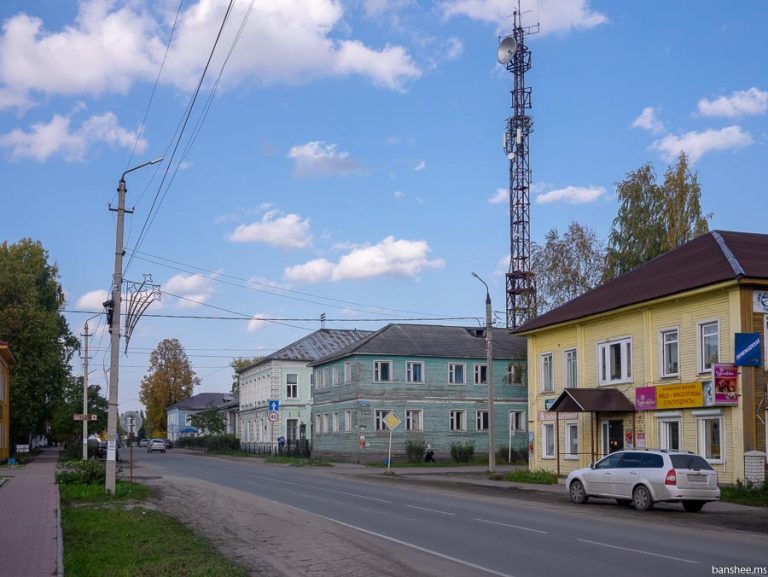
349	160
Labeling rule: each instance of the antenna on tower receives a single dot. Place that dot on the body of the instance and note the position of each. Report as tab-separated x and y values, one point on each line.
521	284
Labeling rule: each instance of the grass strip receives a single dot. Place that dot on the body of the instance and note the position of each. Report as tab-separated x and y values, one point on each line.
541	477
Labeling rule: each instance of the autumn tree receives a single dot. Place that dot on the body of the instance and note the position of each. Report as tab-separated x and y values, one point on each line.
31	299
170	380
654	218
566	266
238	365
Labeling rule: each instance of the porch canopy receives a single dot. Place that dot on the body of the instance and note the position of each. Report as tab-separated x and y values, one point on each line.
592	401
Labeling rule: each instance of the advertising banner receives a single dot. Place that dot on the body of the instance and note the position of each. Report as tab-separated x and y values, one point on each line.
645	398
760	301
726	378
748	351
682	396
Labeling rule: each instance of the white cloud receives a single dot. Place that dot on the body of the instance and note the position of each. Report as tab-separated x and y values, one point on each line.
57	137
555	16
750	102
194	289
390	257
256	322
502	195
648	121
398	194
572	195
696	144
92	301
386	67
317	158
288	231
422	165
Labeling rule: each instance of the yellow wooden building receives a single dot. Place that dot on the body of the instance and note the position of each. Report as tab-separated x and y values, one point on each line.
6	360
670	355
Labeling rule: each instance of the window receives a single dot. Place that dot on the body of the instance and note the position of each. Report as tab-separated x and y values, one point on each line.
548	440
291	386
414	372
317	424
413	421
457	421
334	375
347	373
379	424
382	371
326	377
348	421
670	433
547	386
614	361
481	374
482	420
669	353
456	374
319	378
710	438
517	421
325	423
570	366
514	374
571	441
709	345
187	420
335	423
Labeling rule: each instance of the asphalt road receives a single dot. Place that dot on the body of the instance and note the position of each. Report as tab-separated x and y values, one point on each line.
478	533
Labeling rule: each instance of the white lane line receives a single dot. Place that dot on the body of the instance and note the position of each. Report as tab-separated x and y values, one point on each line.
639	551
307	486
431	510
422	549
513	526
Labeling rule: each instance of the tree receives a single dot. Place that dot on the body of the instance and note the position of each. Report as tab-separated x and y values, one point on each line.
238	365
31	299
170	380
566	266
63	427
210	420
652	218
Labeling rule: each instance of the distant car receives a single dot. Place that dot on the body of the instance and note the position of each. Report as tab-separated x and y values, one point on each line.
143	442
644	477
168	443
156	445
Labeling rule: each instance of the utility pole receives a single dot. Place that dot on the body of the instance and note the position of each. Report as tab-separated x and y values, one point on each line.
85	336
489	374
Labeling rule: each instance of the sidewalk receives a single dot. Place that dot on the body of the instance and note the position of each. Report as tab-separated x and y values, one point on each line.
30	535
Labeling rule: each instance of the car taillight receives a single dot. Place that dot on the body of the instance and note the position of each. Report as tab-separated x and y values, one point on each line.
671	478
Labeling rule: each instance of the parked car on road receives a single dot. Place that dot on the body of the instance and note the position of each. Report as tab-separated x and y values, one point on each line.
168	443
156	445
143	442
642	477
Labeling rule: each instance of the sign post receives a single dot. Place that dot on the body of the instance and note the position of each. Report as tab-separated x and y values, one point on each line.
391	421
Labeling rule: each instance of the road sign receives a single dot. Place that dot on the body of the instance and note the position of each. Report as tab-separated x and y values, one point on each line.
274	406
85	417
391	420
273	417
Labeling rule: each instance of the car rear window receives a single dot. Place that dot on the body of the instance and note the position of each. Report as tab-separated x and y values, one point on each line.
690	462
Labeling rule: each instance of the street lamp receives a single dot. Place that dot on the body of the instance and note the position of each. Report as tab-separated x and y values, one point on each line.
489	373
114	329
86	335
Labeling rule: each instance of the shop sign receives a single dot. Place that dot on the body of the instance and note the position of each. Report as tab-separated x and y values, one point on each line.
682	396
726	379
549	416
760	301
747	347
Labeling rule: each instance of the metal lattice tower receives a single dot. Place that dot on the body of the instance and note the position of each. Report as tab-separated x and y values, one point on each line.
521	285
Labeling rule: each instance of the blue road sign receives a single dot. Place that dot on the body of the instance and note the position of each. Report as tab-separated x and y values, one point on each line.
274	406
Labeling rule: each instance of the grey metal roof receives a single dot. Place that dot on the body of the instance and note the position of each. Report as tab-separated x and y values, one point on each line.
434	341
202	401
316	345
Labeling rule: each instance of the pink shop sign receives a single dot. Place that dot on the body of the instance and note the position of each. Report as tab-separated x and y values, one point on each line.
645	398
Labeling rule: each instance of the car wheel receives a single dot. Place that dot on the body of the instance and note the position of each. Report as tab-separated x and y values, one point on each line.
641	498
693	506
577	492
624	502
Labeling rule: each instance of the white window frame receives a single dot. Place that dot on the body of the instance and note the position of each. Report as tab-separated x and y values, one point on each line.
348	421
705	365
604	349
347	372
335	423
414	420
663	421
517	421
378	420
547	440
319	379
514	374
702	418
409	366
571	432
452	373
547	384
325	422
377	366
570	369
479	373
457	420
335	375
481	420
291	389
318	428
663	357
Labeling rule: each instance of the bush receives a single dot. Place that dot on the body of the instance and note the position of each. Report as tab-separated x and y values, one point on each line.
541	476
518	455
462	453
414	450
90	472
211	443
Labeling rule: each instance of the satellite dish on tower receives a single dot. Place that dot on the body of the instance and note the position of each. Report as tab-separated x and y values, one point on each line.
506	50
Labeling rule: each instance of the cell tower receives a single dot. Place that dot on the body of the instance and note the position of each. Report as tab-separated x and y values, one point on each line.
521	285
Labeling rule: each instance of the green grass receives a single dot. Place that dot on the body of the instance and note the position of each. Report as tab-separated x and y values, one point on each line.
541	477
745	495
116	536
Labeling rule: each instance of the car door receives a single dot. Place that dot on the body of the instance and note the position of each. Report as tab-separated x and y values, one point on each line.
627	474
600	478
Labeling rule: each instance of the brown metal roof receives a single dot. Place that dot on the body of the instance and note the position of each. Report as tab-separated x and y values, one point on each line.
592	401
713	257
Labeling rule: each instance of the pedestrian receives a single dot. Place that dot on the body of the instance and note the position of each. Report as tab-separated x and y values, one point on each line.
430	455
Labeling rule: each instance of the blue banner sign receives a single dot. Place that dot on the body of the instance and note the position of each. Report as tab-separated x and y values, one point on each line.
748	350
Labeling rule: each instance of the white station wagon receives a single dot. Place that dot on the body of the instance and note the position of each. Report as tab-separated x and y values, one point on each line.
643	477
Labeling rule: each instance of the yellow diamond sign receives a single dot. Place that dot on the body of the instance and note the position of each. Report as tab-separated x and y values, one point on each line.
391	420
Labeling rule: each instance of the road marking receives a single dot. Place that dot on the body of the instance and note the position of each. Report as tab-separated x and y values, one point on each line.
513	526
422	549
432	510
639	551
308	486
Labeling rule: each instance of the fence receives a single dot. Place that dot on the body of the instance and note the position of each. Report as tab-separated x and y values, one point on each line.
290	448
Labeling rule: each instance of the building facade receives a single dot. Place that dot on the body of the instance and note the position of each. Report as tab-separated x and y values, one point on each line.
179	416
6	361
433	379
671	355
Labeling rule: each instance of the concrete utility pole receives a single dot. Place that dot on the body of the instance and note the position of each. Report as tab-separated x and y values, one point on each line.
114	329
489	373
85	336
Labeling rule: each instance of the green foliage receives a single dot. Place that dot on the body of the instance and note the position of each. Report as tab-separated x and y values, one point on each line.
566	266
90	472
78	493
211	443
517	455
210	421
745	494
462	453
170	380
63	427
238	365
542	477
414	450
652	218
31	299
